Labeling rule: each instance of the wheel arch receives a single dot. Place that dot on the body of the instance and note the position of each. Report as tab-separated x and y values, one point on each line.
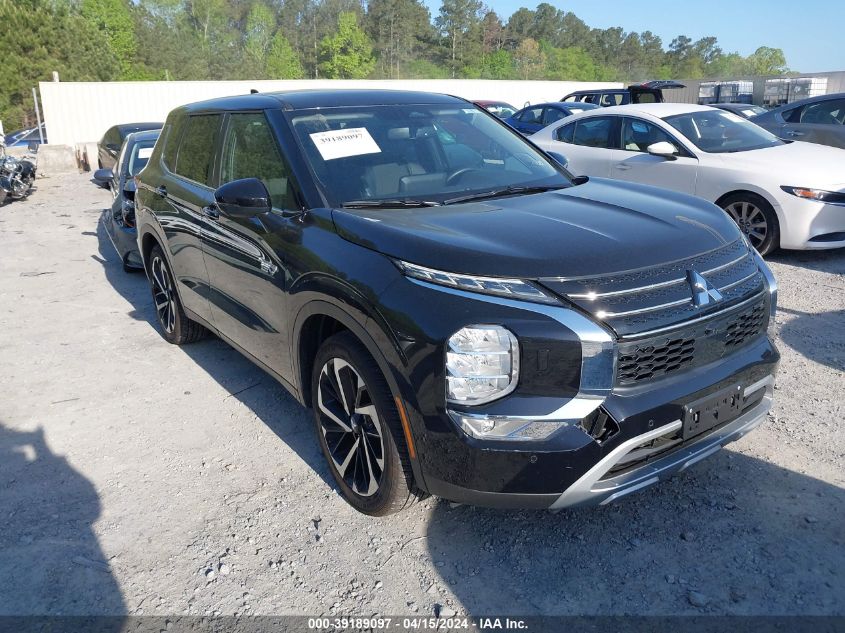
320	319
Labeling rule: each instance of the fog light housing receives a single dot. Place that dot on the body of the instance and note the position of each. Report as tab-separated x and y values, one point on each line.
506	428
482	364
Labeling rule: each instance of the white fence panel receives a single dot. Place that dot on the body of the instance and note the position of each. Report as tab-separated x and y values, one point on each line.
79	112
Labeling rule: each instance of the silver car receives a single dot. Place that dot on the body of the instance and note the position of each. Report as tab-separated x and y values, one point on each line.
815	120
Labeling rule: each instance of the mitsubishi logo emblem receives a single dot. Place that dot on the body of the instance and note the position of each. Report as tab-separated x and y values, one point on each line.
702	292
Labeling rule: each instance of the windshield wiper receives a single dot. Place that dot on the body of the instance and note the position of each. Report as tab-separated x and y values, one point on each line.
389	204
495	193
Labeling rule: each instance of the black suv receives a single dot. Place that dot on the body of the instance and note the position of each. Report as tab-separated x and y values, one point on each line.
464	317
647	92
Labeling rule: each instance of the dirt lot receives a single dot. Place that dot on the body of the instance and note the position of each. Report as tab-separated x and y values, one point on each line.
140	478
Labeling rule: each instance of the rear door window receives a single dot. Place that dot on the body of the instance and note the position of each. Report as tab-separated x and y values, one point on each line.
250	151
595	132
195	158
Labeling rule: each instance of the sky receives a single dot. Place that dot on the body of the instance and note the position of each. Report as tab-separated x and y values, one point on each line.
809	31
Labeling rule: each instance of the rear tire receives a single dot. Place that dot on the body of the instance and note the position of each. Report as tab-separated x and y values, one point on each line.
756	218
174	324
359	430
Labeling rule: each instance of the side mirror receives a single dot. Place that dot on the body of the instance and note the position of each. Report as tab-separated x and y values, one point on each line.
560	159
664	149
113	147
103	178
244	198
33	146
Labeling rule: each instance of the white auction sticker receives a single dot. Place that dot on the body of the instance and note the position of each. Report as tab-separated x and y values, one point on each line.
145	152
342	143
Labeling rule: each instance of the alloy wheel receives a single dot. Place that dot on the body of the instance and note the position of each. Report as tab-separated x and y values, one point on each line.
163	295
751	220
350	426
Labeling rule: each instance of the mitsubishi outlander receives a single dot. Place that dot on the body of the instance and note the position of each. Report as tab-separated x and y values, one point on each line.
464	317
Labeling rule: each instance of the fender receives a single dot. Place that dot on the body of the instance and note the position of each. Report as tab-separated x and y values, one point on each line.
363	330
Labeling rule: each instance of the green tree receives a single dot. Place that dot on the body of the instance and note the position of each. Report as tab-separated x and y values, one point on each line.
767	61
528	60
282	60
38	39
401	32
114	19
260	26
348	53
455	21
571	64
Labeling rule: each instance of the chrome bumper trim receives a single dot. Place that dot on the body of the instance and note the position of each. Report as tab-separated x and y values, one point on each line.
591	489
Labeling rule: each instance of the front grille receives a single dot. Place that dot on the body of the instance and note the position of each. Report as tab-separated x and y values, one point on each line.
691	346
653	298
747	325
647	361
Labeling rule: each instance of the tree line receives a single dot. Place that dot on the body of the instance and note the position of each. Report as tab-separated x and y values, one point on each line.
122	40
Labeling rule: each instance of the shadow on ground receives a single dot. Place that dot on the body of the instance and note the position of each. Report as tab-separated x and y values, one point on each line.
819	336
734	535
252	386
50	560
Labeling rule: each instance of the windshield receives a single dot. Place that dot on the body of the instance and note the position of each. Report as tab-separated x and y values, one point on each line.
140	155
717	131
501	110
430	153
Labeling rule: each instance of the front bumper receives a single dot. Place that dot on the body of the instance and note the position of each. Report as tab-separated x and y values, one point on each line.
596	488
811	225
577	470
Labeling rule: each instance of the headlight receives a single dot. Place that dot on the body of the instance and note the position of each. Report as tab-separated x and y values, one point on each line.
831	197
511	288
482	364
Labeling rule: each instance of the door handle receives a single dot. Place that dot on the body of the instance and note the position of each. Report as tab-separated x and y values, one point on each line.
161	190
622	166
211	212
794	133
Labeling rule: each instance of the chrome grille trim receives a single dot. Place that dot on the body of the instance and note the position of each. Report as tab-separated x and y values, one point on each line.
591	296
672	304
683	324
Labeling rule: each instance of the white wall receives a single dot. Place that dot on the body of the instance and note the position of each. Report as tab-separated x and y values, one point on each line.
78	112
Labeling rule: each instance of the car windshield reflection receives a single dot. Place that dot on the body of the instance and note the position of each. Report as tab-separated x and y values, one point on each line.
416	152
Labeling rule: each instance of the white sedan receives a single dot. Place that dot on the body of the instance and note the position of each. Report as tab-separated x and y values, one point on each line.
780	193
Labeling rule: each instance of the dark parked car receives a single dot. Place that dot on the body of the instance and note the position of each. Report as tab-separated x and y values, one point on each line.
648	92
119	219
815	120
534	118
109	146
499	108
464	318
745	110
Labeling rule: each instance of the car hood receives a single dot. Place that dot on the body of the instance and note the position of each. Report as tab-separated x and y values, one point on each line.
798	164
595	228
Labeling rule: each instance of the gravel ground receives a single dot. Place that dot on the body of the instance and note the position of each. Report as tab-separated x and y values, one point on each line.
141	478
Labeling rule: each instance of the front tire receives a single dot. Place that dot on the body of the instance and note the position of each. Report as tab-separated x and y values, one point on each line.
756	218
174	324
359	429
